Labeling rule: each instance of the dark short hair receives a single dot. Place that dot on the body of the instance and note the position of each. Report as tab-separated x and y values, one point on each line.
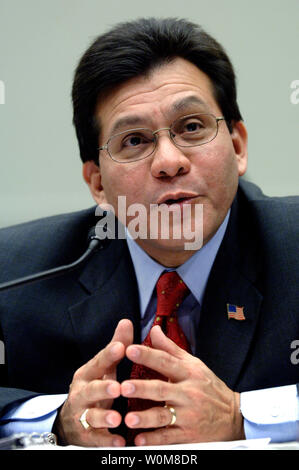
134	48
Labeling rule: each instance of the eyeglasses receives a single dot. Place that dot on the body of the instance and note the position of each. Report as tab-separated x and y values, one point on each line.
187	131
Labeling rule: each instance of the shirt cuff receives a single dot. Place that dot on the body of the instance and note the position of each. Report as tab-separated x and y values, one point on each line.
34	415
272	412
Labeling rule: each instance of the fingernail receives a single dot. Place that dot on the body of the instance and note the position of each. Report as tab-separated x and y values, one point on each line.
134	420
110	419
134	353
116	443
128	388
112	390
141	441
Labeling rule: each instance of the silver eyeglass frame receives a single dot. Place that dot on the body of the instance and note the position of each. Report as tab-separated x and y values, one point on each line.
105	147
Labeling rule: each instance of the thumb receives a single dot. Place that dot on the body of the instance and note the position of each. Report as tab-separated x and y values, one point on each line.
162	342
124	332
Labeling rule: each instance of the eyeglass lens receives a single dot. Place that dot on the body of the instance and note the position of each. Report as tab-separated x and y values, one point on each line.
188	131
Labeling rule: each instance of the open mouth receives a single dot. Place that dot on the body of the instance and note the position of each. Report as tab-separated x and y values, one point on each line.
179	199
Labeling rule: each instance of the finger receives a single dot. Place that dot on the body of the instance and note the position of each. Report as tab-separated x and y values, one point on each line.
162	436
70	429
100	438
99	418
156	390
162	342
101	363
156	417
157	360
124	332
98	390
106	360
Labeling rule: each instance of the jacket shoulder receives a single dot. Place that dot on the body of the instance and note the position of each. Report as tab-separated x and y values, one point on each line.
275	210
44	243
274	223
254	194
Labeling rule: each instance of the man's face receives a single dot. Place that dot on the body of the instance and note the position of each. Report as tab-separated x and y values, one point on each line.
206	174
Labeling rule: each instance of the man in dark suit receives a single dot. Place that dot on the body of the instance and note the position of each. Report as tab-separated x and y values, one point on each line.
158	123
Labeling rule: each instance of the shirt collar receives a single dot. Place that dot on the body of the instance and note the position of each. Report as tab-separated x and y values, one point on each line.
148	271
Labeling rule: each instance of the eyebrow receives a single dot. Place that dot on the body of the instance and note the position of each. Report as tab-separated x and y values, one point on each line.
125	122
185	103
181	105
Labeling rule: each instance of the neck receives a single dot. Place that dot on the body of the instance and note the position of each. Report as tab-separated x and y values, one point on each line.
168	257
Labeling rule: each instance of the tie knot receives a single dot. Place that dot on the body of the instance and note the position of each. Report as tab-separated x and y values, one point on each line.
171	291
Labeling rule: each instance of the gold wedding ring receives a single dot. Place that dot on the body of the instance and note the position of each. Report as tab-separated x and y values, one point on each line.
173	414
83	421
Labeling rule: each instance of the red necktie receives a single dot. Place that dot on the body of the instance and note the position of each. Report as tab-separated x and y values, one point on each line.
171	291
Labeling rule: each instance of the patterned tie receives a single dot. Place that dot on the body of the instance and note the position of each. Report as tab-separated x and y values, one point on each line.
171	291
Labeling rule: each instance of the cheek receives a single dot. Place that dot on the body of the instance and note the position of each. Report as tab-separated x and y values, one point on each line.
219	175
219	170
121	180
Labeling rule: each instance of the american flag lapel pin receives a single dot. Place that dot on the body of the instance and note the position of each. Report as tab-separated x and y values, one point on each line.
233	311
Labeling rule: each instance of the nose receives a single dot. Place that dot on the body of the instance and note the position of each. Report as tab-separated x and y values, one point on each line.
168	160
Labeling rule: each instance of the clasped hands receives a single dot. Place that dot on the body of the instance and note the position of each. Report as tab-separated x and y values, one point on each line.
206	409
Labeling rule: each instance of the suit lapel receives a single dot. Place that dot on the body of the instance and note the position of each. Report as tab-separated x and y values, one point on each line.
223	344
109	279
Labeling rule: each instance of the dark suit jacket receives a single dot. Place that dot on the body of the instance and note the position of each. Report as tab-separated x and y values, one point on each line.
52	327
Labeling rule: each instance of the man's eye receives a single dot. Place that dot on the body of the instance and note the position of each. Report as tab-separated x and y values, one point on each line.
134	141
193	126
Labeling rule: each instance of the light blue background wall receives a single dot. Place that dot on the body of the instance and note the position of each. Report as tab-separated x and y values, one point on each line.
40	44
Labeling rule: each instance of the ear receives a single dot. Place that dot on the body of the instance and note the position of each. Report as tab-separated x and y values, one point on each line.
92	176
239	139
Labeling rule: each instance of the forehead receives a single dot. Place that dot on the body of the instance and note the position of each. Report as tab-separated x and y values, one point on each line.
167	92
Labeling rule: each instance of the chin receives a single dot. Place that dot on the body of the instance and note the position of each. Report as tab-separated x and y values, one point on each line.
170	252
